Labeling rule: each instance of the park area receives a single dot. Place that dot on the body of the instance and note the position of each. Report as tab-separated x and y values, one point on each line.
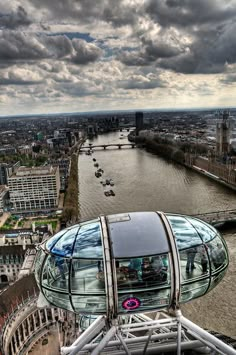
17	222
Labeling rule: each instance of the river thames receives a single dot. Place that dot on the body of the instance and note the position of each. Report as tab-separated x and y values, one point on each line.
146	182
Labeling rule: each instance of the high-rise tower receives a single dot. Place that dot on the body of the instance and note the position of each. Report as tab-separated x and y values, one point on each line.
223	132
138	122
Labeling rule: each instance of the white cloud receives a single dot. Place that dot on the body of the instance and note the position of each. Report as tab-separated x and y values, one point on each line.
85	54
19	76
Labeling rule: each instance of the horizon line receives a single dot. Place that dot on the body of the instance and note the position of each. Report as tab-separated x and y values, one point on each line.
121	111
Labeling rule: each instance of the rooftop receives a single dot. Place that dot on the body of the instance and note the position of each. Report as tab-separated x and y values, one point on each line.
34	171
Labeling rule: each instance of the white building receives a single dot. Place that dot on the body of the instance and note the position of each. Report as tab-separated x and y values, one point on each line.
3	196
35	188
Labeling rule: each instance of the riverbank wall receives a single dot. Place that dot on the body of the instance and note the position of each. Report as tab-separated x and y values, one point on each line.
211	176
224	175
71	204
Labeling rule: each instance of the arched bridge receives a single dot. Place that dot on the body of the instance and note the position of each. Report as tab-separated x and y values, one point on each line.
218	218
105	146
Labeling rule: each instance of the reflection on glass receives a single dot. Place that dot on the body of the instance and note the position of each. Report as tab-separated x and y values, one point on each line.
52	241
194	290
194	263
191	254
55	273
38	264
185	234
138	273
217	254
86	321
61	300
204	259
217	278
65	244
88	241
206	231
89	304
88	276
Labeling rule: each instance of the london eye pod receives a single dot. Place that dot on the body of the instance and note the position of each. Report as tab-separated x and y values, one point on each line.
131	262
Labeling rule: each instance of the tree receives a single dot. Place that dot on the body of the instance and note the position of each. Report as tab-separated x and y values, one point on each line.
36	148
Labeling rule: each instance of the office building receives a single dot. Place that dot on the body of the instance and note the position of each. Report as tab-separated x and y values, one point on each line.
6	170
34	188
138	122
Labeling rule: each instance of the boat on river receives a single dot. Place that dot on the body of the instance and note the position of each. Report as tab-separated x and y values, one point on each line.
112	182
109	193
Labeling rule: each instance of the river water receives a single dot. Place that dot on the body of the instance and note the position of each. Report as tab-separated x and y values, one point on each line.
146	182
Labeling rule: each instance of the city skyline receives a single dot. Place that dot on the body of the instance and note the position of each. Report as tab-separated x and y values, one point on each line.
77	56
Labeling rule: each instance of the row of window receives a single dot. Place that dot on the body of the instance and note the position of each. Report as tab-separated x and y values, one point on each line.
14	270
36	203
32	183
33	189
33	197
12	260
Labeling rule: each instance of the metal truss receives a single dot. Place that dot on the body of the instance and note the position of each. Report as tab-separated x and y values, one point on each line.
139	334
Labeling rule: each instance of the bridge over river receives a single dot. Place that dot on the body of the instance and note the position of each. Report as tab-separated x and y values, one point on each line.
105	146
218	218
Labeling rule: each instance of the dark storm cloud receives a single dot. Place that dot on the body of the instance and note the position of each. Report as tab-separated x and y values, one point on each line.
151	50
59	46
118	13
121	13
14	19
85	52
209	53
82	10
134	58
206	27
160	49
16	45
190	12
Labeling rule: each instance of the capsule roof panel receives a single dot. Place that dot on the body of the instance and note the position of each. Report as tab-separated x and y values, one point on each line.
190	231
137	234
79	241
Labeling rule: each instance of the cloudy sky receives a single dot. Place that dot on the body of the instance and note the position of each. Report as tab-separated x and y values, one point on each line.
86	55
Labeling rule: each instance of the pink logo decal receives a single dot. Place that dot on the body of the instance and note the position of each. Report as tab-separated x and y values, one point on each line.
131	303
